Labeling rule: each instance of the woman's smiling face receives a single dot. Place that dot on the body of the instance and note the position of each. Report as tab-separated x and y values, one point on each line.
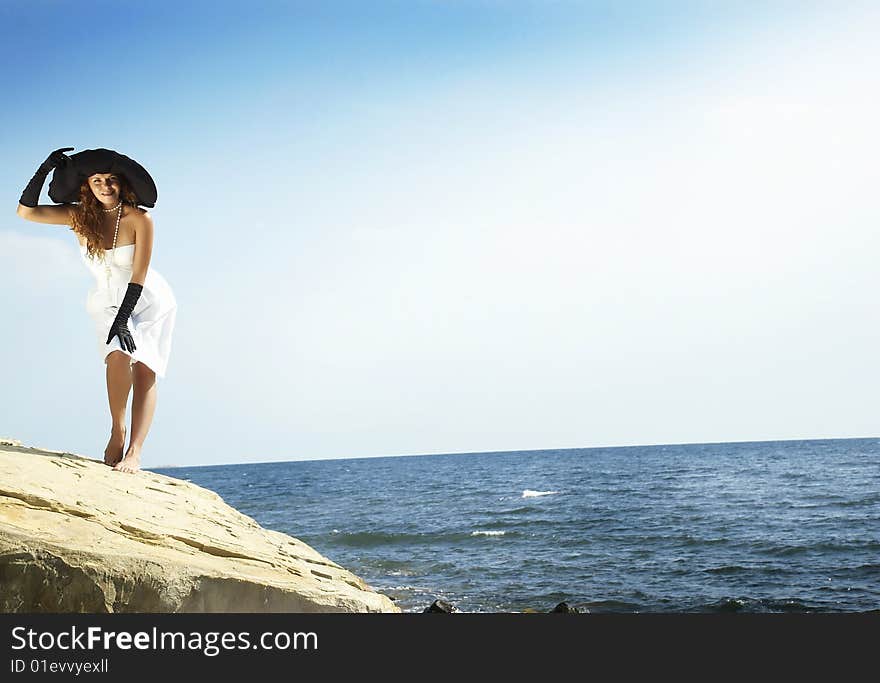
105	187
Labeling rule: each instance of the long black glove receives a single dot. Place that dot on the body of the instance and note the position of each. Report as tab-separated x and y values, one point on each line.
120	323
31	195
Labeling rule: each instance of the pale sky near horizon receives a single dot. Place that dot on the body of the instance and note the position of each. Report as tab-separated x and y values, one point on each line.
421	227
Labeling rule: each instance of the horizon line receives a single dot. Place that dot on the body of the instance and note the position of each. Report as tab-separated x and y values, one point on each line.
530	450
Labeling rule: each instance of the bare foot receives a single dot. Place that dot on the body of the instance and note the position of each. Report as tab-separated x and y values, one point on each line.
131	462
113	452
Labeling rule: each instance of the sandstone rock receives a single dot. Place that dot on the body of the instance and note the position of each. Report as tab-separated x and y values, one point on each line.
77	536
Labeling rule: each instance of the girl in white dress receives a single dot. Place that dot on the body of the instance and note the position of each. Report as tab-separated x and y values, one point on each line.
133	307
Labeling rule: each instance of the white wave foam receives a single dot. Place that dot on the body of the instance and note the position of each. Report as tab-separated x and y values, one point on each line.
534	494
488	533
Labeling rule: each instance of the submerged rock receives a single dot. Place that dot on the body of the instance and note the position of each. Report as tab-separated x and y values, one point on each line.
77	536
440	606
565	608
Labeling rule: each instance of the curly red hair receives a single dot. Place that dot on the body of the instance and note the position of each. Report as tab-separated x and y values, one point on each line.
88	214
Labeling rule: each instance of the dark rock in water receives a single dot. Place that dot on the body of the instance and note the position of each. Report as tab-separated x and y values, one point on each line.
564	608
441	606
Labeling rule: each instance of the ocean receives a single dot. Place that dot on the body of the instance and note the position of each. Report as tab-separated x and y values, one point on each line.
784	526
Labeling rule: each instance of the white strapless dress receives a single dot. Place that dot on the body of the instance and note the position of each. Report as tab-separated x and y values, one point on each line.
152	321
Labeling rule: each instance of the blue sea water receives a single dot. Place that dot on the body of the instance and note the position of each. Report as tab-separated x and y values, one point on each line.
786	526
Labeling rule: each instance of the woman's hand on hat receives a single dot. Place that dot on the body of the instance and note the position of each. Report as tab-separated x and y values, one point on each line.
31	194
57	158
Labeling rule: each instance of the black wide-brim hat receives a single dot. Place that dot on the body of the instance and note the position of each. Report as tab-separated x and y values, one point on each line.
68	177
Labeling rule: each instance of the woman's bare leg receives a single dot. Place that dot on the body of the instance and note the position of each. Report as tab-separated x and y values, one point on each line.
118	387
143	405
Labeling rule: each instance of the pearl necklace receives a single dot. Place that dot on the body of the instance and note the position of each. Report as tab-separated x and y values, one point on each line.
115	233
113	209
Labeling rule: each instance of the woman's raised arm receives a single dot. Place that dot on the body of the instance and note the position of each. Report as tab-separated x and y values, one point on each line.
27	204
56	215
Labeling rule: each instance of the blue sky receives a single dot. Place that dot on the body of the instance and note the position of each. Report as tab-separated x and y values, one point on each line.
429	227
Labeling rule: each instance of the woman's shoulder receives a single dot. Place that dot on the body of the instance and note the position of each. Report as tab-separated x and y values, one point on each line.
142	222
139	218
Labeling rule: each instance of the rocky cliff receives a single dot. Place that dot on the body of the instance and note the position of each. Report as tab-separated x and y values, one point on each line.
77	536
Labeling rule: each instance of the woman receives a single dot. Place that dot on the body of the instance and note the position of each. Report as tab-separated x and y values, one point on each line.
132	305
